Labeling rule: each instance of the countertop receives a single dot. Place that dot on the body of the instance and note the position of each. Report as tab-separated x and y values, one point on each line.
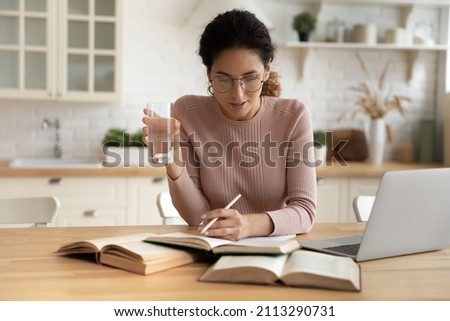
6	171
351	169
367	170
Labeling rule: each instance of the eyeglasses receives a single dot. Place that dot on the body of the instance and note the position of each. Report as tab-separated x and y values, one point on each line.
223	84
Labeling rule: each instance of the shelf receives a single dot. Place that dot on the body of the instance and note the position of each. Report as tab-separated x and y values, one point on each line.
412	50
351	45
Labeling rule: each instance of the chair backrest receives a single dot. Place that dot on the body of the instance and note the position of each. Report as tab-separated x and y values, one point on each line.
167	211
362	206
28	211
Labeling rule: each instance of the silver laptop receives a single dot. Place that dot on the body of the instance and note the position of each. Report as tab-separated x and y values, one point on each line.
410	214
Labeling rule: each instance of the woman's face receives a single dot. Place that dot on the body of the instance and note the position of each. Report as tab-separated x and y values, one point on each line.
237	103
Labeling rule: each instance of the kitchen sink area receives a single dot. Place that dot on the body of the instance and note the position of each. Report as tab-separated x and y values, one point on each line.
55	163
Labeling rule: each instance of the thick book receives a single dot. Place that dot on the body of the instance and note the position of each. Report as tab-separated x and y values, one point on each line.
130	253
252	245
301	268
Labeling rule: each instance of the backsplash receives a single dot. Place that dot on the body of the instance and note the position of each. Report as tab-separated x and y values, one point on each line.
160	63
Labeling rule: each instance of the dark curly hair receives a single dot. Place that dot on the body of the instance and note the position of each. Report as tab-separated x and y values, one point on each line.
239	29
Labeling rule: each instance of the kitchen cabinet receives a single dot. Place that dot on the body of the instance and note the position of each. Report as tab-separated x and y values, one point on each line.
142	192
94	201
85	201
60	49
332	199
335	197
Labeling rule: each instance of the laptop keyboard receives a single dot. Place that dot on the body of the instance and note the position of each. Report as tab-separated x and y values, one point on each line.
348	249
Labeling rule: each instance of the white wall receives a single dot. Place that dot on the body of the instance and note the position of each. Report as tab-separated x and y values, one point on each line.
160	63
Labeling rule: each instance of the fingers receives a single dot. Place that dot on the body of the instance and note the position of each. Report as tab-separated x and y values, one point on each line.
176	125
150	113
227	226
145	135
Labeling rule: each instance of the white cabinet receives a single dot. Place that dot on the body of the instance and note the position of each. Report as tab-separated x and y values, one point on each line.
142	192
92	201
331	199
60	49
335	197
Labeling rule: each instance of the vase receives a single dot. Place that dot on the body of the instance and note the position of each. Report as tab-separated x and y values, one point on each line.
377	140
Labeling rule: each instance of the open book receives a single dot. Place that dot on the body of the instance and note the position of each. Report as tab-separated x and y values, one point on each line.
298	269
131	253
254	245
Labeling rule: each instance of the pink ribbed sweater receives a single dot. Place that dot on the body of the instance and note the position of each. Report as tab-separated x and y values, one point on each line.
225	157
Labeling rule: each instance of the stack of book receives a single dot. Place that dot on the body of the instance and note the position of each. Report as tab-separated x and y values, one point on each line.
255	260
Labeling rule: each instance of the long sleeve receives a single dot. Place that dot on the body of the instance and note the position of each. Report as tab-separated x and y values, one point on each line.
267	159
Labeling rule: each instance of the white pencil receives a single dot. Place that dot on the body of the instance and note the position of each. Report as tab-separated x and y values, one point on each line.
216	218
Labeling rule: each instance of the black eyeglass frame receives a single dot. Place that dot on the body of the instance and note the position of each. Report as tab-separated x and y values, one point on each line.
240	83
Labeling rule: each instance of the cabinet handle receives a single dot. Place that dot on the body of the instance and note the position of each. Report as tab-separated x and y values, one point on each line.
56	181
320	180
159	179
90	213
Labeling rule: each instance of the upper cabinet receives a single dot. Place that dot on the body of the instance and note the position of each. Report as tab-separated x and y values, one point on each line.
60	49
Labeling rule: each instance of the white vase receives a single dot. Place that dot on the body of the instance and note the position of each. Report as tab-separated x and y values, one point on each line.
377	140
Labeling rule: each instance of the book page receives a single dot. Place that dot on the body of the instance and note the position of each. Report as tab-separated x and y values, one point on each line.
262	241
254	269
191	240
213	242
272	263
141	251
95	245
321	264
101	242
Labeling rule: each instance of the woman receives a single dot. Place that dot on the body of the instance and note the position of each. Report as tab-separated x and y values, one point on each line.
242	139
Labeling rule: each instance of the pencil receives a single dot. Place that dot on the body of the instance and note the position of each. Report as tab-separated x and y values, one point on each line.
207	226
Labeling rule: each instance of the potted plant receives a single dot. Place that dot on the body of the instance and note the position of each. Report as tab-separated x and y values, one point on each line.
304	23
320	147
122	148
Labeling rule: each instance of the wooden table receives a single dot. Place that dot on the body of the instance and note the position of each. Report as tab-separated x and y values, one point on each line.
30	271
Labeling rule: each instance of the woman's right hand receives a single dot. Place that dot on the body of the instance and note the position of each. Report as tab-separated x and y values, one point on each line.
161	133
161	129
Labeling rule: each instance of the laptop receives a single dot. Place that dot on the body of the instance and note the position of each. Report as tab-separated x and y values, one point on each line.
410	214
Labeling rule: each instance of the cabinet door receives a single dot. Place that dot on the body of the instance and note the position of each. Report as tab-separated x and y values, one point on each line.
60	49
84	200
91	216
27	48
332	200
142	192
89	50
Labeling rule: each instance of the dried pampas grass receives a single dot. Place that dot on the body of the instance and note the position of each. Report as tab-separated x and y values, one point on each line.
375	99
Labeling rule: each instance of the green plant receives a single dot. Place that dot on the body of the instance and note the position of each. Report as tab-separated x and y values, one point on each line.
118	137
304	22
319	137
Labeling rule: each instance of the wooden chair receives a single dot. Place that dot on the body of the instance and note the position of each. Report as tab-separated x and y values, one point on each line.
362	206
28	211
167	211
